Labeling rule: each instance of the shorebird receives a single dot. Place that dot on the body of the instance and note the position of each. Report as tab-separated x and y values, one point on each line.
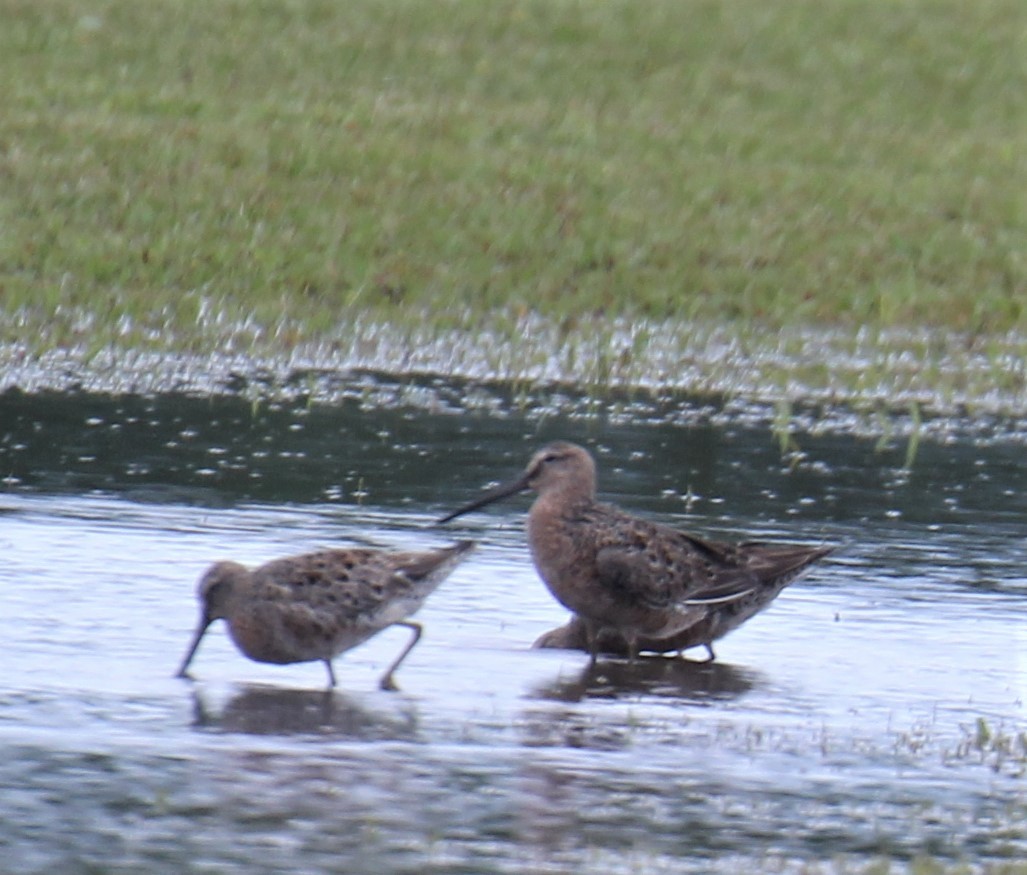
629	578
317	605
720	618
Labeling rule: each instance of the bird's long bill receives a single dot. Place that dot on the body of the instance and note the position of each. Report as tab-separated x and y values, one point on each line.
495	494
197	638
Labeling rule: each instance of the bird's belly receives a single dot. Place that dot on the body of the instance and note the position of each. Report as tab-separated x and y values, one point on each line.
263	643
573	581
268	639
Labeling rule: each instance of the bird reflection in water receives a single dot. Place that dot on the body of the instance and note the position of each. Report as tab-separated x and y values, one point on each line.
268	710
663	677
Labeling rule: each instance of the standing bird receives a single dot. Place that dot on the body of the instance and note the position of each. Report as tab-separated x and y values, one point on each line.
317	605
631	579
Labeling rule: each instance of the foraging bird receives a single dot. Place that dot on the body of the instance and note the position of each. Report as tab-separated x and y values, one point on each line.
317	605
627	577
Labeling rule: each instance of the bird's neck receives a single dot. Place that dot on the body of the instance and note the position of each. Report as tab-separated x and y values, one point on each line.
563	501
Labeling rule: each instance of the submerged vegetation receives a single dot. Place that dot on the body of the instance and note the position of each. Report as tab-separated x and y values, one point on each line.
265	177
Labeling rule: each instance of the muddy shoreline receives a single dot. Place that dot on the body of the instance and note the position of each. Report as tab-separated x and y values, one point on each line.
920	383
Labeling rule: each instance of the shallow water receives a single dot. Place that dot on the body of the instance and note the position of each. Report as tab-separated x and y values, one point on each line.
842	726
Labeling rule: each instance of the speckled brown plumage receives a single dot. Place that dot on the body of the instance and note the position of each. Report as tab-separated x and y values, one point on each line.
318	605
767	559
632	578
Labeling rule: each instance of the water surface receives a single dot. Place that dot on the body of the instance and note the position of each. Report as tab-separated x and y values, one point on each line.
875	711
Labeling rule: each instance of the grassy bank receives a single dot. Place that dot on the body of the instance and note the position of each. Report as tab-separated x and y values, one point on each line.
174	169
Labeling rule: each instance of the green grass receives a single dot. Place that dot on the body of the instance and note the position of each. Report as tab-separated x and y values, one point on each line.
300	163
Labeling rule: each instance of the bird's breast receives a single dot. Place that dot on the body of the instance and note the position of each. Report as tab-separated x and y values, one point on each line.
563	555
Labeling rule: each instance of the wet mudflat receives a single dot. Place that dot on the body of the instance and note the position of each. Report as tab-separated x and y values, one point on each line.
874	712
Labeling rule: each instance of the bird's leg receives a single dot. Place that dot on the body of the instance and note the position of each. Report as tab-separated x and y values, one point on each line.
387	683
632	641
331	673
592	639
709	649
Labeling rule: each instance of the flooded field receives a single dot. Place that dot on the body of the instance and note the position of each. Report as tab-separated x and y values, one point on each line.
874	713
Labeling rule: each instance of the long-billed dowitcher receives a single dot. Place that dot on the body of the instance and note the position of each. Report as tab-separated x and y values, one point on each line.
633	578
317	605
